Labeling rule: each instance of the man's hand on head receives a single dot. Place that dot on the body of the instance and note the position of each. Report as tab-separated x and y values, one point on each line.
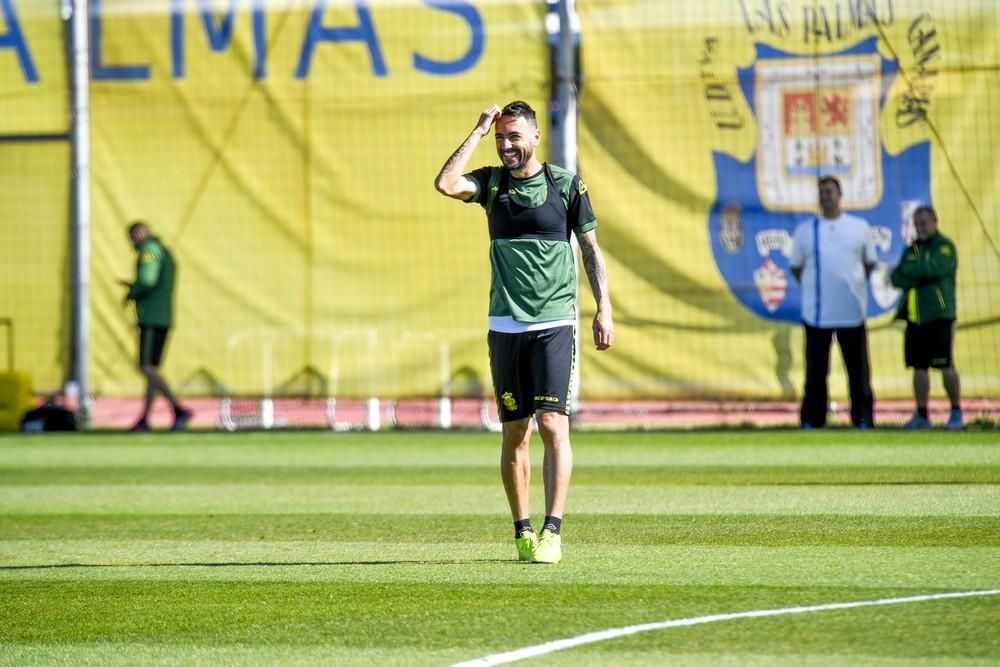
487	118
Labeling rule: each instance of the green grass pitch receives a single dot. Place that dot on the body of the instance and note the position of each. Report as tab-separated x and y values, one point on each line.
397	549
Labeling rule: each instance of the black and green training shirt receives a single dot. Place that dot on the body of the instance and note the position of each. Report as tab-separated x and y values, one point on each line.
530	223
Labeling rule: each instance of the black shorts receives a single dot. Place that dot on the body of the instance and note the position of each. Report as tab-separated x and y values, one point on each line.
152	341
531	371
928	345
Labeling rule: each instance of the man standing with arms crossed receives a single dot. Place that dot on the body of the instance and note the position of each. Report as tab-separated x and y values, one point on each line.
532	209
832	256
926	274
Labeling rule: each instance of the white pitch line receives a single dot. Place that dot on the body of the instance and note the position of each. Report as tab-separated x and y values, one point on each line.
612	633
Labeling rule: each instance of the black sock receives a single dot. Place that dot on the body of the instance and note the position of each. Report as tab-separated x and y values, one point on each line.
522	526
956	407
922	411
552	524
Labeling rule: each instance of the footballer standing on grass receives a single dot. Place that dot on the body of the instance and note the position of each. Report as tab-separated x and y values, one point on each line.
532	209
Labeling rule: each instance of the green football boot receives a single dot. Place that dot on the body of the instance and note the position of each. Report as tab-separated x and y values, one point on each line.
549	548
526	545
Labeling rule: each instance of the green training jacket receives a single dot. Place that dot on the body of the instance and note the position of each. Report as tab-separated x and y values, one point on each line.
153	289
926	274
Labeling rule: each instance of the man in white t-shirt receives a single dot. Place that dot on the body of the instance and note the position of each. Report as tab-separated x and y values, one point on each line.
832	256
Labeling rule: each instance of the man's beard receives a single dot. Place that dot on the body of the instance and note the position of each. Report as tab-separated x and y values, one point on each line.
520	160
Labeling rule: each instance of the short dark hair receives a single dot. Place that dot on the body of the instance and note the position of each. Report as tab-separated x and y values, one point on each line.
137	224
831	179
929	210
521	110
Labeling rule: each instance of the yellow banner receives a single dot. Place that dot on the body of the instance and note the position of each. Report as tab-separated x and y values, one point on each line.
697	146
34	190
32	69
286	152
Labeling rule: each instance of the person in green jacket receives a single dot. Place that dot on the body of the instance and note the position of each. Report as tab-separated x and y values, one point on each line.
153	294
926	274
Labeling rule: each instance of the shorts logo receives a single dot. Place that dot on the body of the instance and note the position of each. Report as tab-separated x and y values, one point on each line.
581	187
546	399
508	402
814	115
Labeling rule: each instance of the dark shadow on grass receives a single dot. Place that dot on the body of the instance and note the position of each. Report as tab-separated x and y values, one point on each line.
57	566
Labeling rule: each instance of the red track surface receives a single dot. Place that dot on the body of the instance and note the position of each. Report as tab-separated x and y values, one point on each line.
115	413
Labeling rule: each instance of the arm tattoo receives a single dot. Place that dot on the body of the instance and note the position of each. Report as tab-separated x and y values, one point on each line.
593	264
460	153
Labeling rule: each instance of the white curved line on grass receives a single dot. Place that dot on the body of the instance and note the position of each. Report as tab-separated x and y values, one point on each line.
612	633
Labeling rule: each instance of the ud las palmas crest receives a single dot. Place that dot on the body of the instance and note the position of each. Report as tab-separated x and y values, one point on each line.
815	115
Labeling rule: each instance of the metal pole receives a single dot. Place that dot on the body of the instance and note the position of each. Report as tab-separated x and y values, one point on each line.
563	45
444	401
76	13
563	29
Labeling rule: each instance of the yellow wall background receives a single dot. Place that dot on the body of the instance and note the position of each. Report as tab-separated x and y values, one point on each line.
315	256
34	197
646	141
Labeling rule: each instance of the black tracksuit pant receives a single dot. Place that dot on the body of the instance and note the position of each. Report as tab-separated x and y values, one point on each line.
853	342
